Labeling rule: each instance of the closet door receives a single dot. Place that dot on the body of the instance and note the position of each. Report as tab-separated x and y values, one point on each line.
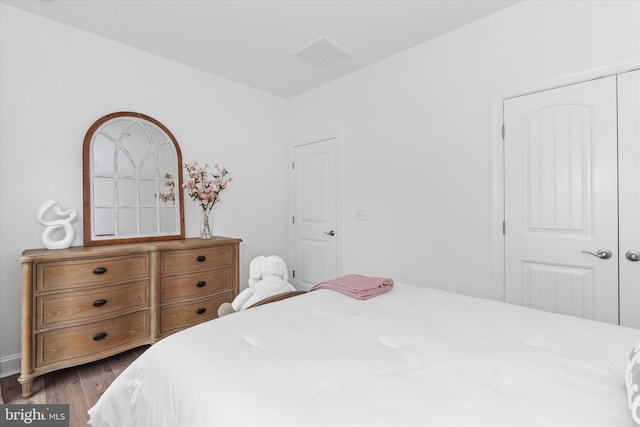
629	172
561	239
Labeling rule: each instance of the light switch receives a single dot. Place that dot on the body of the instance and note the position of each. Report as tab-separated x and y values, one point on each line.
362	215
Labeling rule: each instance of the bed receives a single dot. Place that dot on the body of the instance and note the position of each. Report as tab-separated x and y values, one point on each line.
414	356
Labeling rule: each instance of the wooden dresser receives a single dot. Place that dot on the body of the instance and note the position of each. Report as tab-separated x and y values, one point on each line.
86	303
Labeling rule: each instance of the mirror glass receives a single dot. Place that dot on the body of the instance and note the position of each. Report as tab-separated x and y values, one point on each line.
132	180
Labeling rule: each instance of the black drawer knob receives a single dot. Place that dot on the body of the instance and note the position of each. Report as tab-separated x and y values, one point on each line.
201	283
201	258
99	336
201	310
99	270
99	302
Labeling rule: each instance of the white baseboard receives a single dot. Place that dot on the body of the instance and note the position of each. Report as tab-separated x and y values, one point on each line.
9	365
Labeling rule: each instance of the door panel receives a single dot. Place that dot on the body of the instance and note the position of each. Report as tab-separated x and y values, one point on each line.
315	213
559	288
557	167
561	200
629	171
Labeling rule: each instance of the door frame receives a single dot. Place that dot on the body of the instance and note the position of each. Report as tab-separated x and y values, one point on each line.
496	147
339	201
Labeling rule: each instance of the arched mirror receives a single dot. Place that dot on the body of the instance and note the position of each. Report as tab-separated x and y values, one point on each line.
132	181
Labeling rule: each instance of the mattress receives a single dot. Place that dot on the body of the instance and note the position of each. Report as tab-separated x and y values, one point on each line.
412	357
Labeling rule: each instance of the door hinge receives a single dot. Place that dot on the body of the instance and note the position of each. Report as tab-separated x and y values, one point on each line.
503	131
293	165
293	219
293	274
504	227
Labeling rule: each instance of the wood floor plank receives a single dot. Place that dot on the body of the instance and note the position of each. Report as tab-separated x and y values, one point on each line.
95	378
64	386
10	389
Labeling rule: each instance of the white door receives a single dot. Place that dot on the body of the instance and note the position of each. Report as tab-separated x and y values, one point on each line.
561	239
315	213
629	172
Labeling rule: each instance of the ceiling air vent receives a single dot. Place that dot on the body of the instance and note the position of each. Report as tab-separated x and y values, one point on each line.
322	52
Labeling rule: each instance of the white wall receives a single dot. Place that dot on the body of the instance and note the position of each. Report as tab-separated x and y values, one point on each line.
416	134
56	81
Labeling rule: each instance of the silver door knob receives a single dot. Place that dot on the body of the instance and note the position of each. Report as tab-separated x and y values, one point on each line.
601	253
632	256
330	233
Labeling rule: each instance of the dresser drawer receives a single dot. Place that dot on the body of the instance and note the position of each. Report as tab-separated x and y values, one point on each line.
55	309
197	284
195	259
181	316
92	338
92	271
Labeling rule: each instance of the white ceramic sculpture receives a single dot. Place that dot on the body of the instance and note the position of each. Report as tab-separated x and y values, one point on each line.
62	223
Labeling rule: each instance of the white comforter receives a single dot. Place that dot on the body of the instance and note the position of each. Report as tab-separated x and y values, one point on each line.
412	357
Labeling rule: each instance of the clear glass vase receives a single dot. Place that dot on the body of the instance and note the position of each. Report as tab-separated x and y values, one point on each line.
206	224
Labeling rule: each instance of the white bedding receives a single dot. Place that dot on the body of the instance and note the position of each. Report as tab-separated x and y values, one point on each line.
412	357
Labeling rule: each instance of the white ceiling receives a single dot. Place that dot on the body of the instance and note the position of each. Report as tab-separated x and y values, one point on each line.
252	42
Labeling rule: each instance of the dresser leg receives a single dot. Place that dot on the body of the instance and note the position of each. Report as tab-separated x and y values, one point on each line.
26	389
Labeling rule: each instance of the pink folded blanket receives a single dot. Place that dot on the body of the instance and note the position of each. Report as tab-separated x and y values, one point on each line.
357	286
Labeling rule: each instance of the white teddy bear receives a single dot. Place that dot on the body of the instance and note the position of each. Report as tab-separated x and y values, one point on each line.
268	276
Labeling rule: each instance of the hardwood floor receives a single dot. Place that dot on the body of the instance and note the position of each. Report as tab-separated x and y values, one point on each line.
80	386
